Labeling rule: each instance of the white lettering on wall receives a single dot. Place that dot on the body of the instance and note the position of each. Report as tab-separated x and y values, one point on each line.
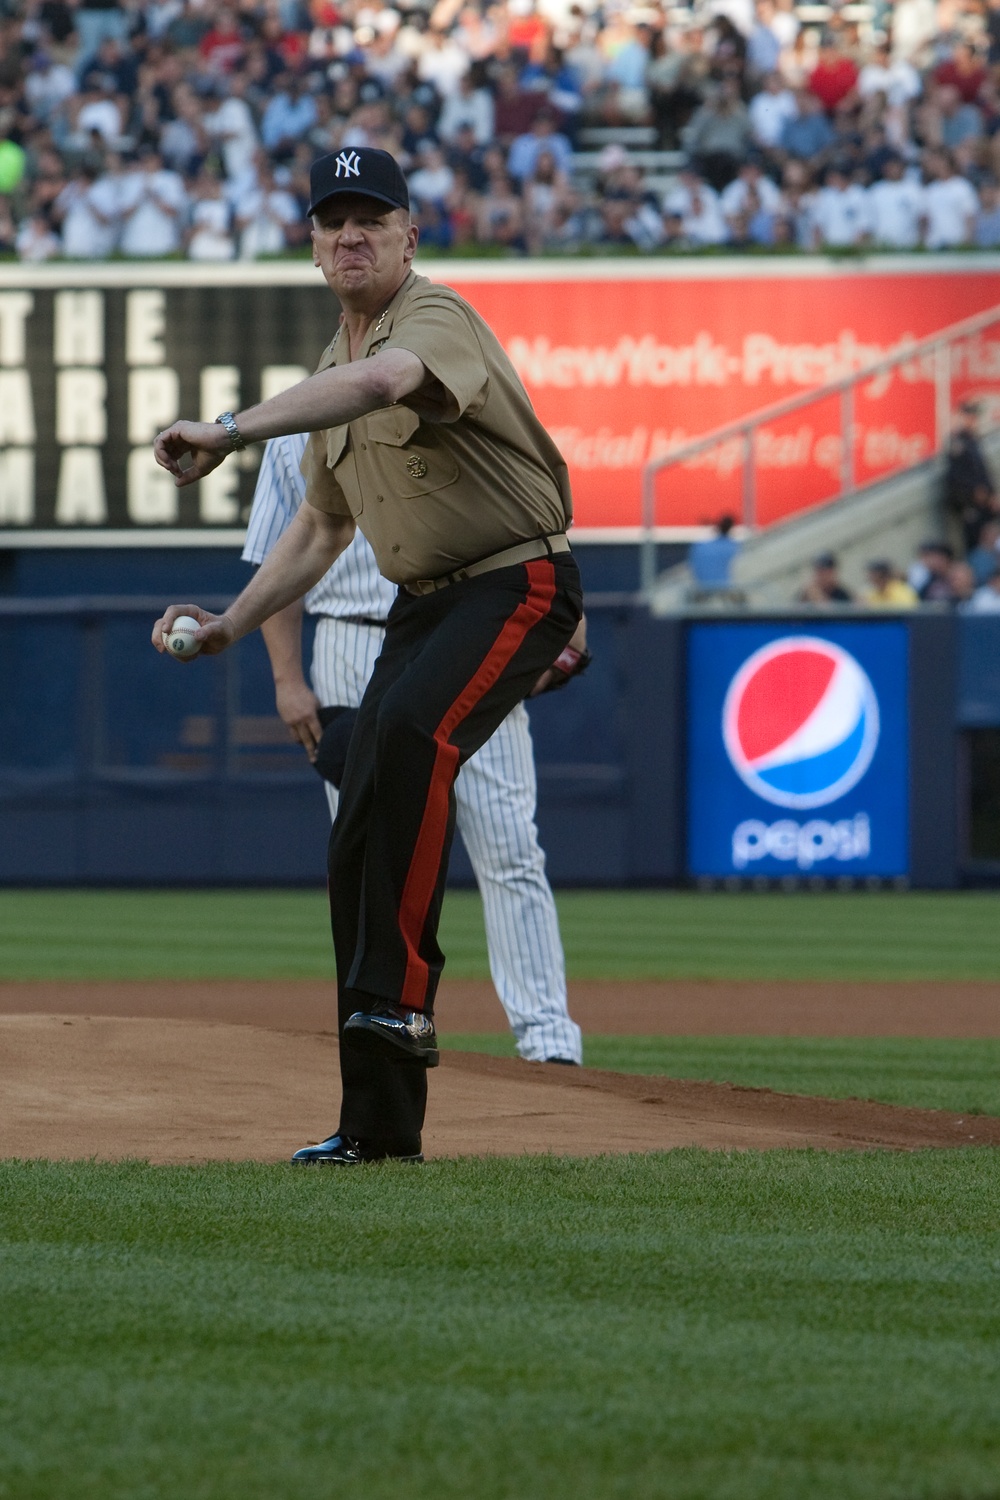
17	412
277	378
220	390
81	416
153	401
145	320
17	487
152	494
14	310
218	495
79	328
80	495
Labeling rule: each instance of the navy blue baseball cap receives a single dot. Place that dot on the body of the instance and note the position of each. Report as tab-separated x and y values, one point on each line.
362	169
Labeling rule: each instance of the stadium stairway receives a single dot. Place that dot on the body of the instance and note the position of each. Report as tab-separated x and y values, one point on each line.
888	519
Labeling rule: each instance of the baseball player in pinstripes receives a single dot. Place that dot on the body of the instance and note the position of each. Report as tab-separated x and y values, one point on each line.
495	791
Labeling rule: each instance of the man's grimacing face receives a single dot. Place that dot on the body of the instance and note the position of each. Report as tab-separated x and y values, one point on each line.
362	246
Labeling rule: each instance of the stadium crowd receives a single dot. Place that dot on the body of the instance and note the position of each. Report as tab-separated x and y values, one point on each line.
188	126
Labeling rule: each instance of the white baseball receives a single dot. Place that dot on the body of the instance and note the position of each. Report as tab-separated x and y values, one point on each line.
179	639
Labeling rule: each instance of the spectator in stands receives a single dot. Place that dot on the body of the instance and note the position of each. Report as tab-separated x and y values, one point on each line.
232	126
986	230
835	75
266	216
471	106
825	586
950	203
896	80
886	590
963	583
87	220
152	204
500	214
748	201
719	134
210	236
808	134
433	180
986	598
840	212
35	240
770	111
543	136
674	78
692	212
969	491
711	561
895	208
290	115
932	576
985	555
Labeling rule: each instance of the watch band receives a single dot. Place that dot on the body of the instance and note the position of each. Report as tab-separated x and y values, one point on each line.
237	439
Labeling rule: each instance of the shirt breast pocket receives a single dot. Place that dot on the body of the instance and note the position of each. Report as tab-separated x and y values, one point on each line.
337	439
408	455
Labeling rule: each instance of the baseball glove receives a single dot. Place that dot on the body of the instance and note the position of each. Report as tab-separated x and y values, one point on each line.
569	663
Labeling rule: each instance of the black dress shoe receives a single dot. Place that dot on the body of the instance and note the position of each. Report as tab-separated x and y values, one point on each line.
393	1033
342	1151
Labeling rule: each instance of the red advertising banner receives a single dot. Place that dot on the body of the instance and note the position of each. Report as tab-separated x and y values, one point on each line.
622	369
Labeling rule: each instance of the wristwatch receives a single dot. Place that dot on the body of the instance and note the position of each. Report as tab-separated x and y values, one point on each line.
237	439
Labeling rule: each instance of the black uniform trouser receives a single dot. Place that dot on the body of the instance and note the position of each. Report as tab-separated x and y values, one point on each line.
454	664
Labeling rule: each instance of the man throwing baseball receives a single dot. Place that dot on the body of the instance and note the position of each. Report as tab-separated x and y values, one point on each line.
422	434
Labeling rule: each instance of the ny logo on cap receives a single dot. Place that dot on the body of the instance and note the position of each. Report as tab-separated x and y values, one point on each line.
351	163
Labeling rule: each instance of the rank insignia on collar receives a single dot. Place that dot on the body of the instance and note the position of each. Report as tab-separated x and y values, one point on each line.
416	467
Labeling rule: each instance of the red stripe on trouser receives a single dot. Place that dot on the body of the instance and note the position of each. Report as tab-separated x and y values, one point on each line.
421	878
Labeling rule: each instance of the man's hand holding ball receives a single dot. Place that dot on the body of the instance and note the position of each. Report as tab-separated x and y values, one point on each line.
187	631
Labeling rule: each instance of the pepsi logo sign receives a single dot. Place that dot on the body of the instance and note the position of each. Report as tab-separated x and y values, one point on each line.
800	722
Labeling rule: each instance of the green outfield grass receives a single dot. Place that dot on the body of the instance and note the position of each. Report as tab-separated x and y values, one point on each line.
690	1326
925	1072
607	934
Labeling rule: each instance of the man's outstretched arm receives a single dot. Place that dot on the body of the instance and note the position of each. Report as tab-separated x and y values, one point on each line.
327	399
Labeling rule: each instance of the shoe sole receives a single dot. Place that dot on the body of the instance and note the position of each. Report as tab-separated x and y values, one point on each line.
374	1161
382	1044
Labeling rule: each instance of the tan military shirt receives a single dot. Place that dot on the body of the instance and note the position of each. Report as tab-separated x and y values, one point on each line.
434	492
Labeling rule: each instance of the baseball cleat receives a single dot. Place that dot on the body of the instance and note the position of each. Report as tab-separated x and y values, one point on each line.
393	1033
343	1151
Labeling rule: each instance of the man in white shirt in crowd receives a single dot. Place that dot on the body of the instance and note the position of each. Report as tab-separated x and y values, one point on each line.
899	81
210	235
770	110
470	106
154	202
696	208
88	211
839	212
232	125
48	86
950	204
895	208
265	215
99	110
748	194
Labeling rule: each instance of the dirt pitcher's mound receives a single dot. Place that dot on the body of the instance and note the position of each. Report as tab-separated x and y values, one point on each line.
196	1091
